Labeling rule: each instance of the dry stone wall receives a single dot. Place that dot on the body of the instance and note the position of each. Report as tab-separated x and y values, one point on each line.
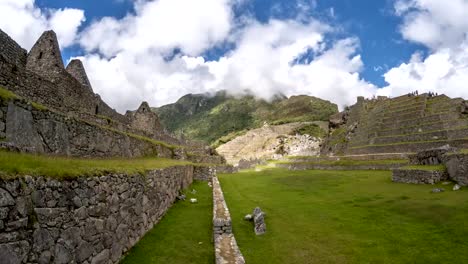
226	249
418	176
40	77
83	220
11	52
41	131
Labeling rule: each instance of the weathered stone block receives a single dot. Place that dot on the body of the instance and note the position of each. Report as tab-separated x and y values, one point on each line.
63	255
5	198
457	168
101	258
42	240
20	129
14	253
84	251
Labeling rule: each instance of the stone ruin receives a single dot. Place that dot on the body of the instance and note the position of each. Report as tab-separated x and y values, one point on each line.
398	125
58	112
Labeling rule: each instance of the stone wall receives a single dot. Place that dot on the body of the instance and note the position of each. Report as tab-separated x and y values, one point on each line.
83	220
40	77
305	166
11	51
418	176
226	249
204	173
42	131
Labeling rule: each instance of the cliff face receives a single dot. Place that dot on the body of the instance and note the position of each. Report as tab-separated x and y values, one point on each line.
271	142
207	118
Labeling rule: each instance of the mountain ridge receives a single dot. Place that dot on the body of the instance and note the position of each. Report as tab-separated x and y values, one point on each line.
208	117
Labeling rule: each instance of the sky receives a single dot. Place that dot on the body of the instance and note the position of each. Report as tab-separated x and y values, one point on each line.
160	50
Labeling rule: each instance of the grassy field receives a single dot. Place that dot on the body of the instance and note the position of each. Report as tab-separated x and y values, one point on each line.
13	164
183	236
346	217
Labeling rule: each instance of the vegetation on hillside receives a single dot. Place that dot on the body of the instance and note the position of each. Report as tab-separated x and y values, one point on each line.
208	118
313	130
346	217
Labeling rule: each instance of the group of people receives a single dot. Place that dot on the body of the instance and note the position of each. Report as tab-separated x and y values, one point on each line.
416	93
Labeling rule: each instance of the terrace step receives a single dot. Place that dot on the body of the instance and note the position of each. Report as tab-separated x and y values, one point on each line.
420	174
441	125
405	147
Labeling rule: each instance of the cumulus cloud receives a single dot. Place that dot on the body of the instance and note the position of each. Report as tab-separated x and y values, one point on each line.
157	53
192	26
443	28
24	22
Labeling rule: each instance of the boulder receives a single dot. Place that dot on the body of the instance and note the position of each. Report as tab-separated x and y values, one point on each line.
259	221
337	120
438	190
457	168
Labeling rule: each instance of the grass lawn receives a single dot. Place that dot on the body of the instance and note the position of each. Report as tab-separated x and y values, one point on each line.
176	238
346	217
13	164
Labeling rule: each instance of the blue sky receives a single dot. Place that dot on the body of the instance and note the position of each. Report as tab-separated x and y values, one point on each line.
382	46
160	50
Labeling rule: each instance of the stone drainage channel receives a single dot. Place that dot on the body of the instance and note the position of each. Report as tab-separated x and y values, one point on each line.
226	249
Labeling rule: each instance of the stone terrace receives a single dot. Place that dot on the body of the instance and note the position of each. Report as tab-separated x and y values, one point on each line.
405	124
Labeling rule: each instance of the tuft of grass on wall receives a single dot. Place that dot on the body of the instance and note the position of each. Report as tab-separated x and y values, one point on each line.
14	164
7	95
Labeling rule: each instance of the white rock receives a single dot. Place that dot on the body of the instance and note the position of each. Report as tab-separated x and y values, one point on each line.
193	200
456	187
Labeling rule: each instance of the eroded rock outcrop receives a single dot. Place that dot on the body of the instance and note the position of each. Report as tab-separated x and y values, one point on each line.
270	142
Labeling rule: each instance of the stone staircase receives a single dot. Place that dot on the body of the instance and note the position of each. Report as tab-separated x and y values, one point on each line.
405	125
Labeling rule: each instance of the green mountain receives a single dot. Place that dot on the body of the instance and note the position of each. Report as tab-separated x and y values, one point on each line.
210	117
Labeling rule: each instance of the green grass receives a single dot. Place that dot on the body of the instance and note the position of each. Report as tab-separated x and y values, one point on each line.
346	217
176	239
425	167
7	95
313	130
13	164
348	162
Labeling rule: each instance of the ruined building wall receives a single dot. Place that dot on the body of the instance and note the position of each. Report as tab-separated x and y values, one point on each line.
83	220
11	52
40	77
34	130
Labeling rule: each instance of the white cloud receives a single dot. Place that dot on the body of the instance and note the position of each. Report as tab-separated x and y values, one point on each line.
442	26
24	22
128	58
192	26
434	23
